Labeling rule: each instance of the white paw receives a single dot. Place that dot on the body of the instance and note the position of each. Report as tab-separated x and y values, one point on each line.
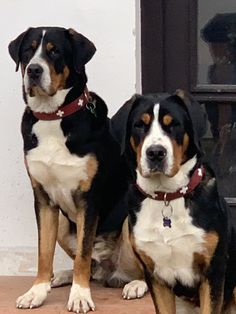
80	300
134	289
62	278
34	297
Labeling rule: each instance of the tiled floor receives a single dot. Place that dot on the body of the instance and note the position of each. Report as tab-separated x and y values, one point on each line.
108	301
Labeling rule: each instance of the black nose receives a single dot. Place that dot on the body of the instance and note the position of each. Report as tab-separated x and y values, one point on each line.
156	153
34	71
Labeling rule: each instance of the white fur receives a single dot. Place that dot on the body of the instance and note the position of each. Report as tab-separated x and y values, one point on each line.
156	136
47	104
43	103
134	289
80	300
34	297
62	278
171	249
163	183
53	166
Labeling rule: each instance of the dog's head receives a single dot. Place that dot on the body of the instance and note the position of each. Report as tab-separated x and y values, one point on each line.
160	132
50	58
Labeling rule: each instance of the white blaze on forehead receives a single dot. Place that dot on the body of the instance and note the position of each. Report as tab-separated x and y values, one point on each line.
38	59
156	136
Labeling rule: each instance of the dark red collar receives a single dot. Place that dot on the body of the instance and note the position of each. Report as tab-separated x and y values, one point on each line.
195	179
65	110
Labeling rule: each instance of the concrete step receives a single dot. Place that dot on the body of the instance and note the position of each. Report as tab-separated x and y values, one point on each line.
107	300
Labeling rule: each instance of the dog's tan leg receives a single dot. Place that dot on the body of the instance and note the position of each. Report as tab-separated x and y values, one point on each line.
47	221
207	305
80	297
163	298
66	240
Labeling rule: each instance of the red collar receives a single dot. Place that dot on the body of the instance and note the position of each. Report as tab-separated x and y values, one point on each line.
65	110
195	179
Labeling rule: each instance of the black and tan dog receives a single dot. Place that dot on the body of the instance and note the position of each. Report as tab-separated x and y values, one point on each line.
76	172
181	230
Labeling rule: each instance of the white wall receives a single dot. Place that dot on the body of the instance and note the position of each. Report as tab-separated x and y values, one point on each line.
111	26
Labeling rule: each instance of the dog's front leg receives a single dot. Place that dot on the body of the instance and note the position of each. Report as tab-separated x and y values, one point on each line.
163	298
80	296
210	301
47	221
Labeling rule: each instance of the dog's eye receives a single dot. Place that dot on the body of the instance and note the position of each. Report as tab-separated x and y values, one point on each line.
27	54
54	52
139	124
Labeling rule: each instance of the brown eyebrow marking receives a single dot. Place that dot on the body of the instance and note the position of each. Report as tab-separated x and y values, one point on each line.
167	119
146	118
34	44
49	46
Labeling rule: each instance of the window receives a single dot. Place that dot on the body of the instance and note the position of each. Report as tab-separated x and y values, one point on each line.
191	44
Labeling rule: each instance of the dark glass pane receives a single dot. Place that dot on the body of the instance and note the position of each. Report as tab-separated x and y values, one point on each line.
217	42
220	144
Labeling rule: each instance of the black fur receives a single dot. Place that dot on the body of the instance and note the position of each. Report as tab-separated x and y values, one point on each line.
207	209
85	133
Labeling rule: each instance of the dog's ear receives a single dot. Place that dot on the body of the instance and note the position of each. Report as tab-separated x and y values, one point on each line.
15	46
83	49
119	126
197	115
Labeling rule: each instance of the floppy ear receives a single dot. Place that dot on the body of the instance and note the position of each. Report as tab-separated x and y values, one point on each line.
119	123
197	115
15	46
83	49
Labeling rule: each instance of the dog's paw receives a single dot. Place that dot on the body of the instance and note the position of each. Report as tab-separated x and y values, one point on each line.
62	278
80	300
134	289
34	297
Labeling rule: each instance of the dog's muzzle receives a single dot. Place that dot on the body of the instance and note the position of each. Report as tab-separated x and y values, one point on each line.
34	72
156	156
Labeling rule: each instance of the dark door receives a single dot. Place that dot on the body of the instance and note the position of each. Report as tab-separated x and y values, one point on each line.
191	44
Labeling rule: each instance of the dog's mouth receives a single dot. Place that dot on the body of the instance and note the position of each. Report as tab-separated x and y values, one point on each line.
156	170
35	89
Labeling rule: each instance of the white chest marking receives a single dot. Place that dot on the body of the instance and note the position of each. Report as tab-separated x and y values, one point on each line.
52	165
171	249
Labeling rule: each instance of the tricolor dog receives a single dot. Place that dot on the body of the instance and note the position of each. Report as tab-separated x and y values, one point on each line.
74	165
180	228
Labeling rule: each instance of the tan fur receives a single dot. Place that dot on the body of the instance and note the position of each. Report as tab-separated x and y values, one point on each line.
164	298
146	118
64	236
206	306
128	261
179	154
138	151
178	157
49	46
58	81
133	144
48	226
82	263
114	256
34	44
205	298
92	168
167	119
146	259
201	261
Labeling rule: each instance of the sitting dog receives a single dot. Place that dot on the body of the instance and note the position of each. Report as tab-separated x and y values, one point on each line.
180	228
77	174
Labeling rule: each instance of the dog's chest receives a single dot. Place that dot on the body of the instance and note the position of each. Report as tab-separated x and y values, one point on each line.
171	249
54	167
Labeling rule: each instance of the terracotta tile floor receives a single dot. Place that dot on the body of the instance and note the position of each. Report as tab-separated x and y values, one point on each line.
108	301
